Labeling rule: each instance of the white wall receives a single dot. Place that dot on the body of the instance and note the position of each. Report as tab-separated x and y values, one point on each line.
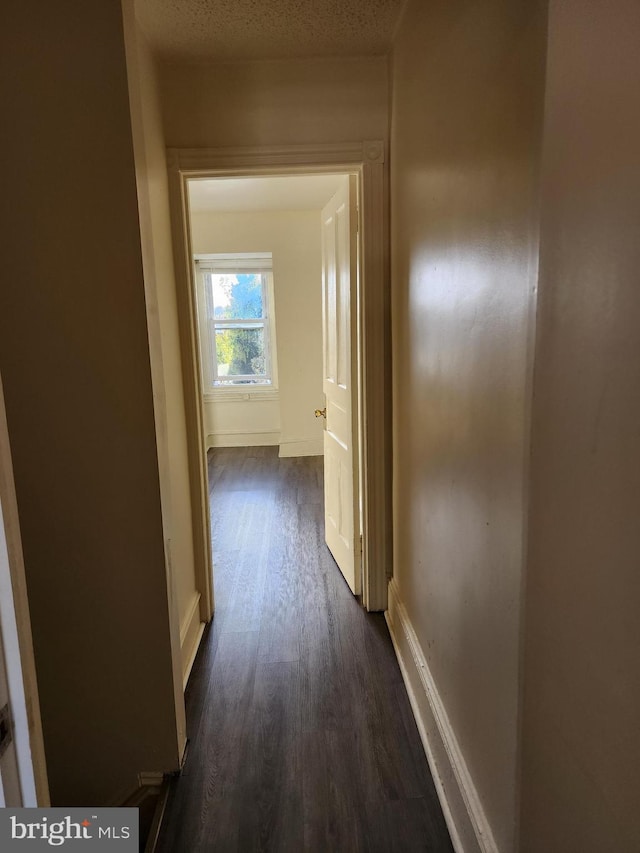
293	238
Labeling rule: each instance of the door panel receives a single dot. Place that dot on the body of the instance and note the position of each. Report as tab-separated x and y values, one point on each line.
339	277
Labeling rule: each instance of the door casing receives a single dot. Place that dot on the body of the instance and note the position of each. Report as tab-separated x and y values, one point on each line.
367	161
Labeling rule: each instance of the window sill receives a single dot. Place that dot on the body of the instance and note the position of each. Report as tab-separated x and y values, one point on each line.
240	395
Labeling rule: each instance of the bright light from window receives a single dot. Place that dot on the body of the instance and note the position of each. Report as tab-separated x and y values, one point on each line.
236	336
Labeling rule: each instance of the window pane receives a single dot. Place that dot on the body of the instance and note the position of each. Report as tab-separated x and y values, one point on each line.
240	352
237	296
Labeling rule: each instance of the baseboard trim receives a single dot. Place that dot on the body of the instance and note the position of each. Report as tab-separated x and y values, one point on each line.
154	830
468	826
190	635
150	784
301	447
237	438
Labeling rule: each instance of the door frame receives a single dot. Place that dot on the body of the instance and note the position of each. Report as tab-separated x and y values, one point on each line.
367	160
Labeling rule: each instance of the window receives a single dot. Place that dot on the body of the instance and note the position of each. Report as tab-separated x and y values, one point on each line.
235	307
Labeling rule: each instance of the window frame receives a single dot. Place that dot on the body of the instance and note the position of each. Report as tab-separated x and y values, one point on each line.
233	264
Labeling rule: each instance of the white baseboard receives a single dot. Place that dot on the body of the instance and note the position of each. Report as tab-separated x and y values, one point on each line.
190	635
468	826
235	438
302	447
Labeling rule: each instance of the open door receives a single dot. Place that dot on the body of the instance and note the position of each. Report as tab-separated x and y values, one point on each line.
23	778
10	787
339	318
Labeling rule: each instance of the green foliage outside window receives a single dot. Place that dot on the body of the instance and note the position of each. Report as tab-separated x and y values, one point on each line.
241	349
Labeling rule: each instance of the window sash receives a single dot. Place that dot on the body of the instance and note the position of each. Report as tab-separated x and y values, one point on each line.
249	323
245	263
257	264
263	378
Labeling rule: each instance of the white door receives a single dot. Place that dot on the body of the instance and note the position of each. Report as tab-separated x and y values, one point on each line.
14	790
339	318
10	790
21	746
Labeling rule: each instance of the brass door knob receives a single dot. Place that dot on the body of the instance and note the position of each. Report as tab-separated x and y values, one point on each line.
321	413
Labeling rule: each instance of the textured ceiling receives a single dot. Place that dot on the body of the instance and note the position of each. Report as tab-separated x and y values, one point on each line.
227	195
219	30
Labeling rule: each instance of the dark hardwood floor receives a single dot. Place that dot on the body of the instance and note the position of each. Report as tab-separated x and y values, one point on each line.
301	733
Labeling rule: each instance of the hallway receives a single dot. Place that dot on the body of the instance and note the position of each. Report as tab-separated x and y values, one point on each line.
301	737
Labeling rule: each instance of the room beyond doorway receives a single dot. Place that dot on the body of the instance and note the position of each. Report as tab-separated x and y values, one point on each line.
264	228
276	280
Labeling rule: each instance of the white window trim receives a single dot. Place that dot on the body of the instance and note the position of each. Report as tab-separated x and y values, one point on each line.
237	262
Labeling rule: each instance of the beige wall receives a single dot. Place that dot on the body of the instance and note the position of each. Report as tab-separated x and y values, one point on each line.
293	238
74	349
272	103
581	764
74	345
162	313
467	91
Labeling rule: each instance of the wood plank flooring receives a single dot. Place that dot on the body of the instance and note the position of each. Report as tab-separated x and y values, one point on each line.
301	734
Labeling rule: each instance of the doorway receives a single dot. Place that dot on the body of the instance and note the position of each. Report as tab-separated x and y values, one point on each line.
275	270
366	160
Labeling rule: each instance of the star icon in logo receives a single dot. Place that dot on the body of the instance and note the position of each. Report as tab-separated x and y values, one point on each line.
85	822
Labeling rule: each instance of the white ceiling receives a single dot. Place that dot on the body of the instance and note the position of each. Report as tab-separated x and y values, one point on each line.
235	195
218	30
